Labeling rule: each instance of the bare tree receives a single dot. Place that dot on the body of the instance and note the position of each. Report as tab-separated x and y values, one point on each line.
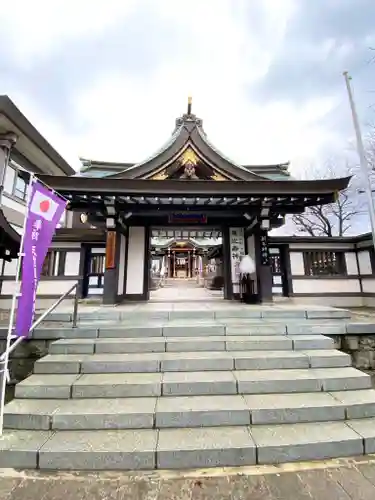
370	147
336	218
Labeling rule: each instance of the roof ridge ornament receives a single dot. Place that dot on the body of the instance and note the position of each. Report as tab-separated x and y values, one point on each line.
190	102
189	118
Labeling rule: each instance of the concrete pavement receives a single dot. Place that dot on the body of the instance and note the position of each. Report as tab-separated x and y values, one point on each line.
351	479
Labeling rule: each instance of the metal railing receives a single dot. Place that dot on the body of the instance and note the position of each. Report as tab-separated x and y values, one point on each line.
4	358
43	316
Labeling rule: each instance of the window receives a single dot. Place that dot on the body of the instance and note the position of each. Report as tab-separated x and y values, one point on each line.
16	182
324	263
9	179
54	264
20	187
97	264
50	264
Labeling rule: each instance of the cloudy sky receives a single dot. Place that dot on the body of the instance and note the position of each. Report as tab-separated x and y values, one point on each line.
106	79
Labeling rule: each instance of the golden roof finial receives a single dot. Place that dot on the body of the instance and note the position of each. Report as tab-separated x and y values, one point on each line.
190	101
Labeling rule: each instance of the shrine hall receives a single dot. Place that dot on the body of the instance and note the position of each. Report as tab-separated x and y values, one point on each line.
170	214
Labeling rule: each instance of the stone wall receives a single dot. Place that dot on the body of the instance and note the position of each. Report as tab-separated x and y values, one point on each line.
22	359
361	349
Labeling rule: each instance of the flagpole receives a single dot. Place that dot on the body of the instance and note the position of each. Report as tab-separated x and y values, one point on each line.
362	156
5	362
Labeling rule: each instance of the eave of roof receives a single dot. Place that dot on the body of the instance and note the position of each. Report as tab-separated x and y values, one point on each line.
171	187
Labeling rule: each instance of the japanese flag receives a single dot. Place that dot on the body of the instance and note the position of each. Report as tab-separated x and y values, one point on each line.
43	206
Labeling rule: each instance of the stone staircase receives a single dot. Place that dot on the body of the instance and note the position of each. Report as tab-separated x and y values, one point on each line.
190	388
180	282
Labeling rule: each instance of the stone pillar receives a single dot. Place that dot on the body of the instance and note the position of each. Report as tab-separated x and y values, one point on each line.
137	267
263	266
7	141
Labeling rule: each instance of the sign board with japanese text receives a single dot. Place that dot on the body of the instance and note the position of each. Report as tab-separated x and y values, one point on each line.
237	251
264	251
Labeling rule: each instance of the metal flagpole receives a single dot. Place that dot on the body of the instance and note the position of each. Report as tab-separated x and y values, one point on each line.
5	362
362	156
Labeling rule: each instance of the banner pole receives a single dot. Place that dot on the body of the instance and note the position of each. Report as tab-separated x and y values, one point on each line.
5	362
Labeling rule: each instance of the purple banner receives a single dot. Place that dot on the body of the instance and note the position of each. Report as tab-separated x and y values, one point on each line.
44	213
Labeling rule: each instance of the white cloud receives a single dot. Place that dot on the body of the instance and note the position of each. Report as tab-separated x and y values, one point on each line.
34	29
129	117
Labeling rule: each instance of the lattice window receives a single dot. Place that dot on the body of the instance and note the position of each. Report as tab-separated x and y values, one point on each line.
51	264
324	263
97	264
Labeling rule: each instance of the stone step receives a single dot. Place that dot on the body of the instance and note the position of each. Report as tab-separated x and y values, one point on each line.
237	311
187	411
190	361
184	448
190	328
121	385
194	312
189	344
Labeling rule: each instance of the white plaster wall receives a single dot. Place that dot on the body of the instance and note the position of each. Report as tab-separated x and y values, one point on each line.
351	263
50	287
121	269
13	205
68	218
368	285
296	264
72	263
135	261
10	268
322	285
364	262
334	301
368	301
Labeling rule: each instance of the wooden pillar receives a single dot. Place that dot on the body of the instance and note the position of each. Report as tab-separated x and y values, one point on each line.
263	265
228	287
111	268
174	264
